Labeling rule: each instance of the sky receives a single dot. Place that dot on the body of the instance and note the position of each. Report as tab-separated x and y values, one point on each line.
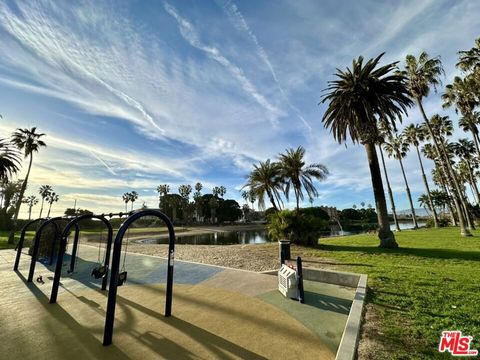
133	94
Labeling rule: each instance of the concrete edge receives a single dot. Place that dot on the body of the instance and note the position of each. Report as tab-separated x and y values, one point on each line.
347	349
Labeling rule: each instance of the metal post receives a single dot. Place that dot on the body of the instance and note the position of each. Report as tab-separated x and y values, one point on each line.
58	269
74	250
107	254
301	293
117	246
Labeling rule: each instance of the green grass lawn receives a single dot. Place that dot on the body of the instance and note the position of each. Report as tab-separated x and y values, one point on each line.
431	283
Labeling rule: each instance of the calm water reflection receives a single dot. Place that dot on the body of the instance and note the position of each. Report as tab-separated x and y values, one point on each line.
246	237
220	238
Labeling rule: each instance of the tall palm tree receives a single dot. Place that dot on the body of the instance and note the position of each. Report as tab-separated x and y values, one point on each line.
252	197
31	201
9	160
163	191
422	74
384	131
413	135
297	175
197	197
398	148
44	191
357	99
52	197
30	142
133	198
265	178
442	128
10	191
126	200
464	149
245	196
185	191
439	179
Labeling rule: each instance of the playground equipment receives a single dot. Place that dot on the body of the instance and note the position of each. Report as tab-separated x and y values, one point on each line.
36	244
100	271
37	237
114	271
116	278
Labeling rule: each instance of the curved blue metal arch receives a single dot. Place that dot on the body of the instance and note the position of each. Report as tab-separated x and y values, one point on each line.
117	247
36	243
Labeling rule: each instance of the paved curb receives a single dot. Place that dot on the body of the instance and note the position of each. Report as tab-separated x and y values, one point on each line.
348	345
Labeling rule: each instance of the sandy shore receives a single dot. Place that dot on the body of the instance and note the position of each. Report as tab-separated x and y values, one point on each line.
253	257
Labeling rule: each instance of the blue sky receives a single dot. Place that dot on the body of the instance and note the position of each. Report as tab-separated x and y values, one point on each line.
133	94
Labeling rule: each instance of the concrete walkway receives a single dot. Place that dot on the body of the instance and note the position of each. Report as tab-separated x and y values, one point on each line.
218	313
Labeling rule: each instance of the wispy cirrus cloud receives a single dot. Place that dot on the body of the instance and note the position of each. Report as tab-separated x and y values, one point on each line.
241	24
190	34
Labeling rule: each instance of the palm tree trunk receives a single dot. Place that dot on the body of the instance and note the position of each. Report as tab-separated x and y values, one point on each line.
465	203
430	201
49	208
475	139
41	208
387	239
443	184
390	193
450	175
473	183
126	209
19	202
22	190
407	188
272	200
277	198
131	209
297	197
29	213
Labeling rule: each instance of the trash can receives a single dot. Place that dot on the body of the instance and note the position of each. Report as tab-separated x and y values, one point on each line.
283	251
